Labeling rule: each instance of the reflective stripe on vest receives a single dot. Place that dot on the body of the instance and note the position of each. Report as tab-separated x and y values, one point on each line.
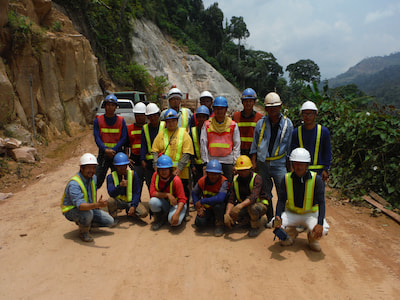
128	196
178	154
276	156
213	188
184	118
220	144
149	155
110	135
314	166
236	185
196	144
308	195
77	178
134	134
158	189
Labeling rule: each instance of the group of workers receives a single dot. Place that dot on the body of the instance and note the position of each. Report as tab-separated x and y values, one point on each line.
228	167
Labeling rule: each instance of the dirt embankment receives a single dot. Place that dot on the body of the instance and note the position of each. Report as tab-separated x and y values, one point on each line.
42	258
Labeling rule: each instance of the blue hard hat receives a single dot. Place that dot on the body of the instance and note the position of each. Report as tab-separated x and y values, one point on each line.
111	98
220	101
164	162
203	110
170	114
249	94
120	159
214	166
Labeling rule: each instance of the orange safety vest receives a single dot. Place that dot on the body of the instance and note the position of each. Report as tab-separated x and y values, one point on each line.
220	144
210	190
134	134
308	195
110	135
246	128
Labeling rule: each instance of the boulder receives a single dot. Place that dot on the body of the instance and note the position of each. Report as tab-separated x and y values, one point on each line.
11	143
24	154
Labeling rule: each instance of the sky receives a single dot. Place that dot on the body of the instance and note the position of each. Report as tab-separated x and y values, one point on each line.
335	34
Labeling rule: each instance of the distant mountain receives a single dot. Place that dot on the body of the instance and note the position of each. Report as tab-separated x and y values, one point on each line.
377	76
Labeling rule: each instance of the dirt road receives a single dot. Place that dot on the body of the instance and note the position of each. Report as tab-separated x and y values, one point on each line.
41	256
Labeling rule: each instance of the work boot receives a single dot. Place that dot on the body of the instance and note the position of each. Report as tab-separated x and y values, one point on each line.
314	244
292	233
84	234
160	219
141	211
254	230
112	207
219	229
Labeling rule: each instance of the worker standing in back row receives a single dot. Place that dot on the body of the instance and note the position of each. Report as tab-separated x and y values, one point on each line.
174	101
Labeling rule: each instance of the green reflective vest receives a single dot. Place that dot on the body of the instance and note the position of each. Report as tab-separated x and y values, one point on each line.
236	184
77	178
308	195
314	166
128	196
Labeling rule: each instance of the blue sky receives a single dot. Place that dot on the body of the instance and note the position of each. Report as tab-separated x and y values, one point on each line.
335	34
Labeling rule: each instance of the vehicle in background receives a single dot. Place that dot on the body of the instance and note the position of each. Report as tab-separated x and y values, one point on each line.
134	96
124	109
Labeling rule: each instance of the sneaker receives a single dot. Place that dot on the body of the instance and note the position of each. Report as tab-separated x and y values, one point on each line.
269	224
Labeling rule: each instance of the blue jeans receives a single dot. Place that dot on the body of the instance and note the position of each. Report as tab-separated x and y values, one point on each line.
162	205
268	173
94	217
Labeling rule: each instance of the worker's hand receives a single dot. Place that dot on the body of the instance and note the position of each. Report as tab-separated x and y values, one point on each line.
131	211
101	202
204	170
324	175
175	219
131	163
110	152
235	212
277	222
177	172
124	182
228	221
316	233
200	209
172	200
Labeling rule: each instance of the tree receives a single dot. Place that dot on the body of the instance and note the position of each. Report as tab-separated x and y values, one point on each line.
238	30
305	70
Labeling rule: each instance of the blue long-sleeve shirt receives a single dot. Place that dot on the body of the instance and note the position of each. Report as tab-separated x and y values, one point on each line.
153	131
118	190
74	194
309	142
110	122
197	194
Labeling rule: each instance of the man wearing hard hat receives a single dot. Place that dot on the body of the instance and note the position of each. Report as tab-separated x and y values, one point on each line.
79	203
315	138
174	101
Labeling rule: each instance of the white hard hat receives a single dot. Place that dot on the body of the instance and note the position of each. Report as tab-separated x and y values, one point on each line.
140	108
272	99
174	92
206	94
300	155
87	159
308	105
151	109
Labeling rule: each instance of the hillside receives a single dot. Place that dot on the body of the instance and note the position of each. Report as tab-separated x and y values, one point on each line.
377	76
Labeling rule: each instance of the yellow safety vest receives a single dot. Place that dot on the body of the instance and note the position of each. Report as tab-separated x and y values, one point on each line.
308	195
175	161
276	156
184	118
149	155
236	184
314	166
196	143
77	178
128	196
170	186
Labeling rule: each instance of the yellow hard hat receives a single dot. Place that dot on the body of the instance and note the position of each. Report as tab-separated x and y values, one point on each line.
243	163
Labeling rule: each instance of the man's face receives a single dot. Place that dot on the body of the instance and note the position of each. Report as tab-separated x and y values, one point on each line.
201	118
171	124
244	173
248	104
110	108
164	173
140	118
206	101
88	171
219	113
121	170
213	177
273	111
154	118
308	116
300	168
174	103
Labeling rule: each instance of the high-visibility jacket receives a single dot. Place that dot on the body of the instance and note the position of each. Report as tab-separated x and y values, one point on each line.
110	135
314	165
308	195
166	190
246	128
210	190
128	196
276	155
220	144
149	142
77	178
184	115
179	132
251	186
135	134
196	146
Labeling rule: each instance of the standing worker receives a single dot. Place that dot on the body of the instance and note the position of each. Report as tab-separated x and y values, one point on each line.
149	133
79	203
174	102
247	120
110	135
124	188
134	139
206	99
315	138
220	138
271	143
302	196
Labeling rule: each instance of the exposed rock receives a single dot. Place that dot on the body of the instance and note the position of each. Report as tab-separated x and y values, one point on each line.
19	132
11	143
24	154
4	196
6	95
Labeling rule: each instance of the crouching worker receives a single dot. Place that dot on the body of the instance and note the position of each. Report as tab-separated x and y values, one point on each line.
79	203
209	197
124	188
302	195
167	194
248	199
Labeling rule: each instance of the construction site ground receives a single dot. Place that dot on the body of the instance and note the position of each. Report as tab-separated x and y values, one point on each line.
41	256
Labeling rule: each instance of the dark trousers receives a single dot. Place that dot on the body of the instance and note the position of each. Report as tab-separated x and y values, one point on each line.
213	215
104	163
